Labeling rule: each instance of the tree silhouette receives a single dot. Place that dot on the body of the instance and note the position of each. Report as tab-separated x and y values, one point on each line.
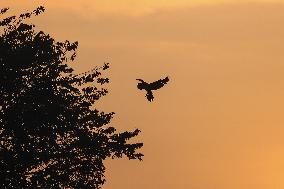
51	135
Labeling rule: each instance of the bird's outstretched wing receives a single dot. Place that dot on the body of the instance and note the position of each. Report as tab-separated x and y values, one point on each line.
149	96
158	84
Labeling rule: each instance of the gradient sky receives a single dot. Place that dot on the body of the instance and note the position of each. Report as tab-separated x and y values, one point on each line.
219	123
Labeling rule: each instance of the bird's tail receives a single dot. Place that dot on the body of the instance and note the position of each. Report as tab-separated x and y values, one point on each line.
150	95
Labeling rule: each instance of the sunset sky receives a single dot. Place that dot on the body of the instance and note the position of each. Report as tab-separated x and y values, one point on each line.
219	123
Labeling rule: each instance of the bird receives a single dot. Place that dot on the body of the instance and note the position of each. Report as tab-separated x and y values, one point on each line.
149	87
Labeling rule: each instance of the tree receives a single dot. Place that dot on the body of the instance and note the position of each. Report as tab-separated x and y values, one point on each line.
51	135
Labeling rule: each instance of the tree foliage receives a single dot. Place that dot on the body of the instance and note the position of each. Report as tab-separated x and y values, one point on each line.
51	135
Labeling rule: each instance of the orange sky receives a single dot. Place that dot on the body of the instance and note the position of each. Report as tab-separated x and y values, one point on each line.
219	123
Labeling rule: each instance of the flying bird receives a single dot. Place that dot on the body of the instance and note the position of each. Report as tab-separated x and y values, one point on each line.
149	87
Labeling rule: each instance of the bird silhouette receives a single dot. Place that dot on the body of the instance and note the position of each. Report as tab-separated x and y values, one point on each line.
149	87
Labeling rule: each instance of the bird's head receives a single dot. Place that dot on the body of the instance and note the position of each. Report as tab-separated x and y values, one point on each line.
141	84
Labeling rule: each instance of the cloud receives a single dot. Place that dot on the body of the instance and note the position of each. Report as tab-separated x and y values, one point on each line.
205	25
94	8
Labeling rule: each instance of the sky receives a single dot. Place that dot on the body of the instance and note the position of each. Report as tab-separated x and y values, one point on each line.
219	122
